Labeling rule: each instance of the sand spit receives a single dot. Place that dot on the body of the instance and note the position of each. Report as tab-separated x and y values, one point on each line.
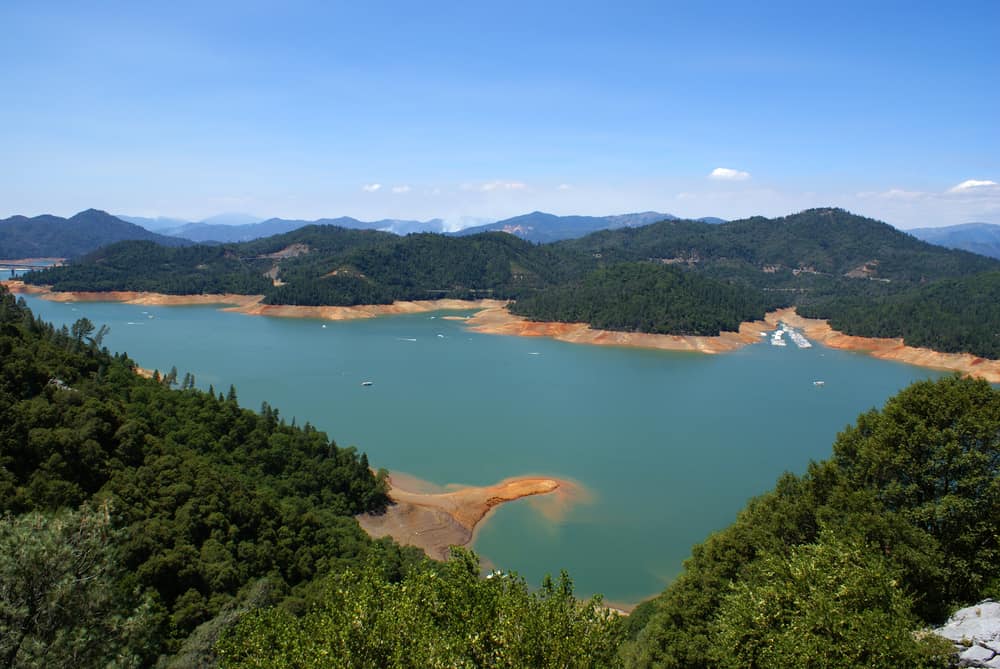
498	320
31	261
889	349
366	310
435	520
251	304
131	297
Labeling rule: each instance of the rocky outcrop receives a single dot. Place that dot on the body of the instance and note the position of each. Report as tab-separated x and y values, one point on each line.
975	631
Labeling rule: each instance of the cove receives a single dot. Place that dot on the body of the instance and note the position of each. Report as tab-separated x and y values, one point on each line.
668	445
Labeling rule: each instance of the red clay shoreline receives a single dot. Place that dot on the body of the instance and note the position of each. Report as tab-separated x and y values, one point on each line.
435	519
492	317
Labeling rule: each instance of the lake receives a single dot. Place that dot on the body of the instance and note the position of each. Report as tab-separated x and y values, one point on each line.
668	445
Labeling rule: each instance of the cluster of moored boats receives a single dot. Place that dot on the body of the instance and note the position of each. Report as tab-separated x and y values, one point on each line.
778	337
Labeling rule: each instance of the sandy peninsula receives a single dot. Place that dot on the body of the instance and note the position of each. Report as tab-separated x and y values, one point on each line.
436	519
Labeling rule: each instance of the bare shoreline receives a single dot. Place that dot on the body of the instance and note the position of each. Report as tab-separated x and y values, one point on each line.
436	519
493	318
889	349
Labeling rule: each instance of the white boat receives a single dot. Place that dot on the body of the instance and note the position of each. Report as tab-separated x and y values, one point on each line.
366	383
819	383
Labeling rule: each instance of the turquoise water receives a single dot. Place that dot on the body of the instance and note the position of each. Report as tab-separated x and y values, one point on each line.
668	445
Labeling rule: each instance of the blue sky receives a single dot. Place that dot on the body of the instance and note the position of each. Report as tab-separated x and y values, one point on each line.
468	109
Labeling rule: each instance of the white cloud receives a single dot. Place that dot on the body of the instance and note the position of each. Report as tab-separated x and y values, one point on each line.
728	174
894	194
564	187
401	189
973	185
371	188
502	185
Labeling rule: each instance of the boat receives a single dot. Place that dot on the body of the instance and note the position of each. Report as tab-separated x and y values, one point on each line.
366	383
819	383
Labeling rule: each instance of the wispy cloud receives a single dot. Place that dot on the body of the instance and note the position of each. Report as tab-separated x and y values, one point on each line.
501	185
401	189
728	174
371	188
975	186
564	187
894	194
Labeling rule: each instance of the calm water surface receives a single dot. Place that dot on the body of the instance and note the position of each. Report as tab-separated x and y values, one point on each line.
669	445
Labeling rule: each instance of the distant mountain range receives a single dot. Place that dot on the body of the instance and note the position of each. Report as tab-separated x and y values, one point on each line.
46	235
542	228
226	229
981	238
54	236
538	227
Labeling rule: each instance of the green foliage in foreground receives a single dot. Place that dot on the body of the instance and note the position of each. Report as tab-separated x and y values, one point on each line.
57	597
834	603
910	501
647	297
208	497
441	615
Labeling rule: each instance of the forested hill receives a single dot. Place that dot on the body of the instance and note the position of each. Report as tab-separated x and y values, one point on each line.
143	520
52	236
952	315
807	259
648	297
827	243
327	265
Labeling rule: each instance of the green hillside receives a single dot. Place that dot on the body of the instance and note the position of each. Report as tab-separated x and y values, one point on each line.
647	297
951	315
825	261
829	245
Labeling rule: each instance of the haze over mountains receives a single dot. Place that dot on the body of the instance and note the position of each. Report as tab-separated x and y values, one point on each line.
981	238
539	227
